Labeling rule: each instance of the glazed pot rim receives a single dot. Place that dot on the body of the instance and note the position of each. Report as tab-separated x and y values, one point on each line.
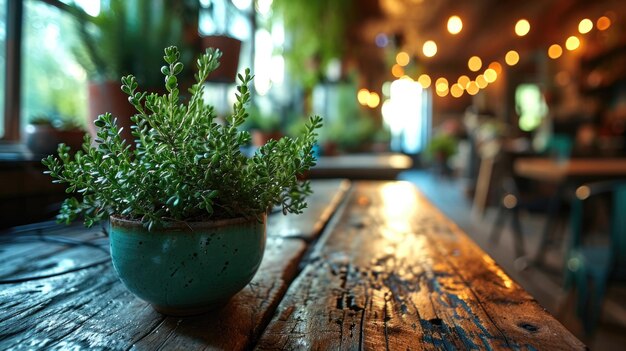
186	226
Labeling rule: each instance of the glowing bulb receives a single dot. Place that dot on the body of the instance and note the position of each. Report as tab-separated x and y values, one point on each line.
603	23
522	27
373	100
572	43
490	75
441	84
463	80
474	63
472	88
430	48
456	90
481	81
455	25
424	81
555	51
585	26
496	66
511	58
402	58
397	71
363	95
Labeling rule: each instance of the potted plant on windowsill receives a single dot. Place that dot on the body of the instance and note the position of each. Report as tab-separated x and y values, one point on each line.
45	132
187	209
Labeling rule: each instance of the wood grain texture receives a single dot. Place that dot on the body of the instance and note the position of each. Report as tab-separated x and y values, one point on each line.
327	194
393	273
91	309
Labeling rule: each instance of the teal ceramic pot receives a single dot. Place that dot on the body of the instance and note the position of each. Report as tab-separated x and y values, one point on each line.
187	269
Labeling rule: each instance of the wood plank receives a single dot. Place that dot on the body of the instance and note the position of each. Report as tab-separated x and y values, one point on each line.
91	309
327	194
30	253
394	273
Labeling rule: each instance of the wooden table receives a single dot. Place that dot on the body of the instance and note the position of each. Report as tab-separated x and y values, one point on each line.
567	175
361	166
547	169
388	271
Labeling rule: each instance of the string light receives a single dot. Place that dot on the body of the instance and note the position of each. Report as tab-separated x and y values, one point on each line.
363	95
463	80
474	63
441	84
572	43
555	51
442	93
522	27
430	48
424	81
496	66
603	23
481	81
585	26
397	71
455	25
456	90
472	88
511	58
373	100
402	58
490	75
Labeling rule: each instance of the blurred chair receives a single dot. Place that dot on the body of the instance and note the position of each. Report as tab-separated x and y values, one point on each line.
591	267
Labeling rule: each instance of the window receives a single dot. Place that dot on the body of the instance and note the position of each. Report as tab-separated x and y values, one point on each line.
54	85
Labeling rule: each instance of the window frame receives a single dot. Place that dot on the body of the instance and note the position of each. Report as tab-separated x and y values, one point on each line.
13	68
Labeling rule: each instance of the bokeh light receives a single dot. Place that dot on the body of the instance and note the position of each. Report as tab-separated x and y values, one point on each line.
555	51
572	43
424	81
474	63
603	23
455	25
430	48
522	27
585	26
402	58
511	58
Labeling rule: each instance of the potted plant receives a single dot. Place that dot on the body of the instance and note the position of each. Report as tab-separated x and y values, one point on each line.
129	36
187	209
440	148
45	132
263	127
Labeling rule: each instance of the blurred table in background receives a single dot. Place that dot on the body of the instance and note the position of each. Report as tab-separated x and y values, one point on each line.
552	170
567	175
361	166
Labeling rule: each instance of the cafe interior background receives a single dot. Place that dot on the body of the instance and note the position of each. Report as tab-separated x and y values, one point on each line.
450	95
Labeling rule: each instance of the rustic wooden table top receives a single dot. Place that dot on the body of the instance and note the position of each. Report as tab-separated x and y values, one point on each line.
370	265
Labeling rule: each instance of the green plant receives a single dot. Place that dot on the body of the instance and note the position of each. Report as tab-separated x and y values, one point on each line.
317	32
264	122
129	36
442	145
56	121
185	166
